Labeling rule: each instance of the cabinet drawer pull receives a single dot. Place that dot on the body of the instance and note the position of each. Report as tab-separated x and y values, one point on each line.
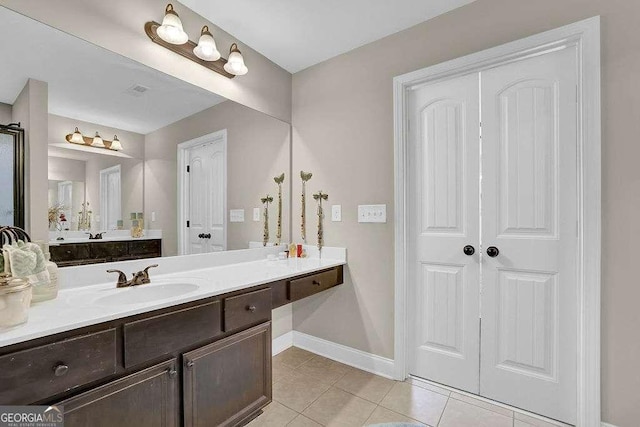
317	283
190	364
60	369
251	308
172	372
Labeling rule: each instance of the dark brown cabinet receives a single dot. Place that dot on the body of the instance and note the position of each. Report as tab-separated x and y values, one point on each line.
148	398
228	381
95	251
202	363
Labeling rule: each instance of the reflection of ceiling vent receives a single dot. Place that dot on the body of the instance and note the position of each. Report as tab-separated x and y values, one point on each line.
137	90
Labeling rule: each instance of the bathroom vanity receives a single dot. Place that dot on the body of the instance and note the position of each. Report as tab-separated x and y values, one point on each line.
205	362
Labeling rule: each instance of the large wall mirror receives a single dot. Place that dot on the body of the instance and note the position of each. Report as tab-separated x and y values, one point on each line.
136	154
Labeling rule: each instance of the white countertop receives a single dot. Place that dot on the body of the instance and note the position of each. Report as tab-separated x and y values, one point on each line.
76	306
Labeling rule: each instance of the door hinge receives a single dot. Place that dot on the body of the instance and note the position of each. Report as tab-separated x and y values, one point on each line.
188	168
188	224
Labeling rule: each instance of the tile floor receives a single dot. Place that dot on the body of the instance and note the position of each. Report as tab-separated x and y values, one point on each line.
310	390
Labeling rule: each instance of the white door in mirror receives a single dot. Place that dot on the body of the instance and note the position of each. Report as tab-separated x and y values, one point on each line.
207	198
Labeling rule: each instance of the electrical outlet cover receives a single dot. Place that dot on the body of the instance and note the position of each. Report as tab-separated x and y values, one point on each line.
336	213
256	214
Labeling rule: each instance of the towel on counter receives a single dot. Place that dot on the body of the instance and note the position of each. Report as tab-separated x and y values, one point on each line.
26	260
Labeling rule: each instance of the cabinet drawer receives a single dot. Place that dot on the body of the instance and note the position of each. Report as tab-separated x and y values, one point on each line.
302	288
145	247
31	375
70	252
247	309
160	335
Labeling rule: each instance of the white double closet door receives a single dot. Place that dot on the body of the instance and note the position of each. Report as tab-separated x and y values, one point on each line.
493	166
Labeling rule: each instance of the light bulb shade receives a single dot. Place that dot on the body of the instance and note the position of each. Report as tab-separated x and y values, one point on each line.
97	141
206	48
235	63
76	137
115	144
171	29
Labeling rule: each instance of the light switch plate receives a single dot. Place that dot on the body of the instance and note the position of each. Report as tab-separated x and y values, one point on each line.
153	216
236	215
256	214
372	213
336	213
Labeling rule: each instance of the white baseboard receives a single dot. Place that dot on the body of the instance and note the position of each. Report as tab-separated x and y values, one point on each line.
281	343
607	424
349	356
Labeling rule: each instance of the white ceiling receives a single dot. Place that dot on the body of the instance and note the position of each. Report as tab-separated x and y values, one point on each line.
296	34
89	83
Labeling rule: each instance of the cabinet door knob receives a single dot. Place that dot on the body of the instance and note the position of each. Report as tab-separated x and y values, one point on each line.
317	283
172	372
190	364
60	369
251	308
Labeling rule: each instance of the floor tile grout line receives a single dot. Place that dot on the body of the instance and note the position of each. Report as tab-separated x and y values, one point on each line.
443	409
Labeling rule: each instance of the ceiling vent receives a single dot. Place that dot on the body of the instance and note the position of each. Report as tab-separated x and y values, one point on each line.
137	90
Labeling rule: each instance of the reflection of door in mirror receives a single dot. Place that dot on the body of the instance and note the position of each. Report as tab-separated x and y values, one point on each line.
11	176
110	198
205	194
65	198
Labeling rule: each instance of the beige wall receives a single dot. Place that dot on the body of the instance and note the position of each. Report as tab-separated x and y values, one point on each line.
30	108
118	25
61	169
5	114
343	132
132	175
257	151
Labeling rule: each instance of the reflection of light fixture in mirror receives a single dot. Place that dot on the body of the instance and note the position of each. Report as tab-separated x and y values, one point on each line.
97	141
206	48
171	29
76	137
115	144
235	63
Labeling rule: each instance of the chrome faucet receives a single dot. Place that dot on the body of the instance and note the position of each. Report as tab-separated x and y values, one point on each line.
139	278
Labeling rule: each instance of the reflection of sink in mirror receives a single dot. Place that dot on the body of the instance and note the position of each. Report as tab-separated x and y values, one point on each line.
152	114
133	295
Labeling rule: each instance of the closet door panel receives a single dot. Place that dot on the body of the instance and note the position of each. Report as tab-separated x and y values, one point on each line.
529	213
444	202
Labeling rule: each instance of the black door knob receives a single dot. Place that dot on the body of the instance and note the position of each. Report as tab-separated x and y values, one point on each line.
469	250
201	235
492	251
208	235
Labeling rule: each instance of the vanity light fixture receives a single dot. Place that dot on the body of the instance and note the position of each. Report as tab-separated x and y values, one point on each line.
171	35
115	144
171	29
206	48
77	138
235	64
97	141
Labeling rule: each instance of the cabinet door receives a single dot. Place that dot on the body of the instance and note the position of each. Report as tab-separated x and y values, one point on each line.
229	380
145	399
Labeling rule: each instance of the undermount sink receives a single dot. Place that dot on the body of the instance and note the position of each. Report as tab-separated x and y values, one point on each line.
132	295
